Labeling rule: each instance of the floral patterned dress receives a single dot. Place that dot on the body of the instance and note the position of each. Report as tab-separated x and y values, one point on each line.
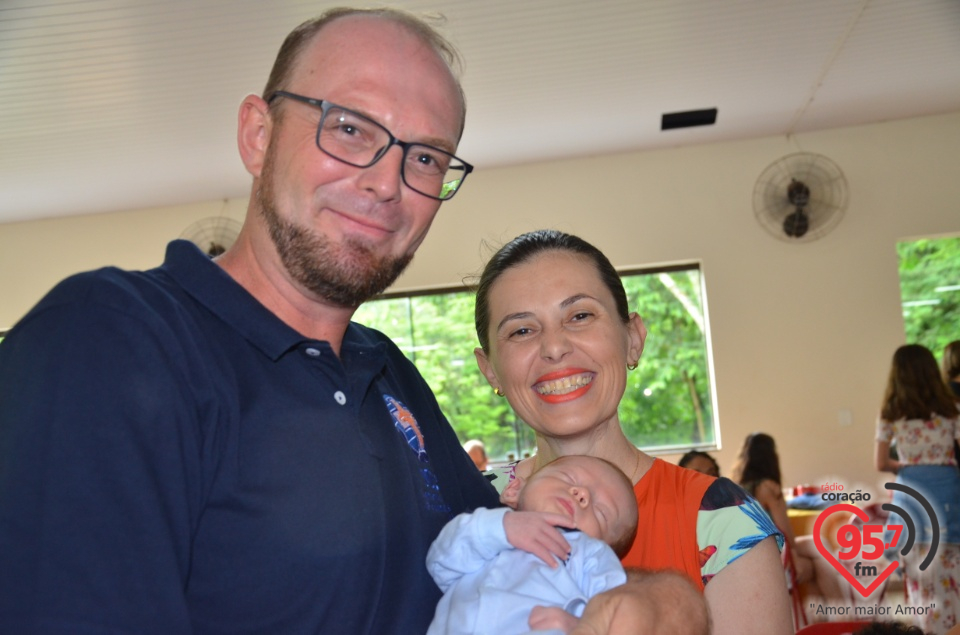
925	448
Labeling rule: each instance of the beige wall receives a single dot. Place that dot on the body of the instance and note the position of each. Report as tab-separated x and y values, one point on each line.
799	332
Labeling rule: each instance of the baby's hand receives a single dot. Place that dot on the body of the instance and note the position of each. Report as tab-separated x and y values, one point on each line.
536	533
548	618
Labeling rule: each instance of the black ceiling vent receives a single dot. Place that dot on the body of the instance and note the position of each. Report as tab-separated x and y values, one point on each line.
688	119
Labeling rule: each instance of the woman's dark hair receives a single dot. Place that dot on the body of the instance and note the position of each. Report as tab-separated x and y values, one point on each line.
951	361
693	454
524	248
758	460
915	389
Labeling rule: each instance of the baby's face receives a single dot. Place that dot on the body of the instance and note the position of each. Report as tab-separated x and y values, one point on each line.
590	492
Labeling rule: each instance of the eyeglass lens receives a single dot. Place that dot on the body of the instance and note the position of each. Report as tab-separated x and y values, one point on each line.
355	139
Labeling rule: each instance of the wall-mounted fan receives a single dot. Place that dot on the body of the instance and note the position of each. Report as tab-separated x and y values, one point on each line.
214	234
800	197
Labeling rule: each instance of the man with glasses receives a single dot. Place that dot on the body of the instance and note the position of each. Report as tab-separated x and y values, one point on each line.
213	446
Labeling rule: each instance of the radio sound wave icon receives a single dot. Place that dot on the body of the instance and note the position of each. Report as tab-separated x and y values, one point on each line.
911	527
863	541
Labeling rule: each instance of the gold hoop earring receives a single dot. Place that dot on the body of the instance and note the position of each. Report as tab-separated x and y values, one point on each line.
633	366
498	392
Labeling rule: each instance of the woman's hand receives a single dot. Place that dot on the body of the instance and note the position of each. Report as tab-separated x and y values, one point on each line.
537	533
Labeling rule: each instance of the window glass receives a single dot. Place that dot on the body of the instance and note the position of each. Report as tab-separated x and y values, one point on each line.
668	404
930	291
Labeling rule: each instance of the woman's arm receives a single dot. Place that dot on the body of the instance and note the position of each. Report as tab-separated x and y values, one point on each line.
770	496
882	460
749	595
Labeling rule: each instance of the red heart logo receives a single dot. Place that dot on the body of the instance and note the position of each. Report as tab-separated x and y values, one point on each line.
852	509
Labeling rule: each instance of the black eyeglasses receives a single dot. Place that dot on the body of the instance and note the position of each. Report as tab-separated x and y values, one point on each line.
359	141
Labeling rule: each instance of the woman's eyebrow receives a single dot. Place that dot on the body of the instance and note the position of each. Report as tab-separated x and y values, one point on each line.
513	316
576	298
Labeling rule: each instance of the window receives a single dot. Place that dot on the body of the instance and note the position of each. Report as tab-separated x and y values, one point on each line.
668	404
930	291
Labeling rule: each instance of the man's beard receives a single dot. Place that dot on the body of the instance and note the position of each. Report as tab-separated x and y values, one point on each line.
344	274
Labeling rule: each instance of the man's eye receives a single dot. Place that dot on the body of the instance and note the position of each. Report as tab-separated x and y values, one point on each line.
426	160
520	332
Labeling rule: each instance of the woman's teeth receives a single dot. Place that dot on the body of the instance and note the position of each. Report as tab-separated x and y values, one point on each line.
565	385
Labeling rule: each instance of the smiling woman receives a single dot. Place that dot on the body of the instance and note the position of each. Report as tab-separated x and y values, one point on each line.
549	306
668	401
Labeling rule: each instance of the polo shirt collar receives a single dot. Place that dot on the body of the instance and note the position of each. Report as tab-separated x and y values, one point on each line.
213	288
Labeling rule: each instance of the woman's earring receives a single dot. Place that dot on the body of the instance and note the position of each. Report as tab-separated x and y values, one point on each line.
498	392
633	366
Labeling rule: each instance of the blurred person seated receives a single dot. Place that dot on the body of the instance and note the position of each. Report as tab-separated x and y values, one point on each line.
478	453
758	471
700	462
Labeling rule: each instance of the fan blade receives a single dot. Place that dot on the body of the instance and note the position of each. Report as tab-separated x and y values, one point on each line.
796	224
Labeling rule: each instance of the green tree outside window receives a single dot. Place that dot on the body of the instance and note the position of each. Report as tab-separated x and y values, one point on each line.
930	291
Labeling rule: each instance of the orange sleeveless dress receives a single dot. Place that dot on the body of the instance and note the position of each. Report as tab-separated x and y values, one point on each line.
669	498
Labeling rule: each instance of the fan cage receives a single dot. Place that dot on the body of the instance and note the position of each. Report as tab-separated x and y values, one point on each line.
828	195
213	235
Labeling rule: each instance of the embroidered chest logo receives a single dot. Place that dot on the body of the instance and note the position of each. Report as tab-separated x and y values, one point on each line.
407	424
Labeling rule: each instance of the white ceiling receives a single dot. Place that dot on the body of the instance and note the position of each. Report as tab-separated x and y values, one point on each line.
110	105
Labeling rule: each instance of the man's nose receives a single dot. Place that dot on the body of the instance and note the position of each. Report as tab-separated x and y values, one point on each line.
383	177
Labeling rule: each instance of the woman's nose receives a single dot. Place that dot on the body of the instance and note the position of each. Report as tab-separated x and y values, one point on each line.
554	344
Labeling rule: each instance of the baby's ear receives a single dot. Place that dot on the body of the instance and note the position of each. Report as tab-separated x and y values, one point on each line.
511	493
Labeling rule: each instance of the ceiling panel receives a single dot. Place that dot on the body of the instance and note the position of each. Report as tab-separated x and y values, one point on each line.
112	105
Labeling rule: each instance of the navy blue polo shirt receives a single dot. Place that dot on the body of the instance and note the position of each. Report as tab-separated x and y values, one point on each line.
175	459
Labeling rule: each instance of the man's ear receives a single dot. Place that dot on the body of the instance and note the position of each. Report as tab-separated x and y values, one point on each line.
253	133
511	493
486	368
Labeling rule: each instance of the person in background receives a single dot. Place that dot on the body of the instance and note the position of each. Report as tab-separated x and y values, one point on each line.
889	627
213	446
757	470
921	414
478	453
951	366
951	375
700	462
557	340
497	566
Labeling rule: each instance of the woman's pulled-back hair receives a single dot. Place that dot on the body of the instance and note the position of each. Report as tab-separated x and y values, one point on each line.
915	389
524	248
758	460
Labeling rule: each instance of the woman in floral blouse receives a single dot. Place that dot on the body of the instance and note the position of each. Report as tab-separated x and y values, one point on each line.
921	415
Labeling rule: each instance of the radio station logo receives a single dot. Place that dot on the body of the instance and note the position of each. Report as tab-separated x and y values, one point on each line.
862	544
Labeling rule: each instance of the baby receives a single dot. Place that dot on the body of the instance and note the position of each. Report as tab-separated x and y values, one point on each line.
495	566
